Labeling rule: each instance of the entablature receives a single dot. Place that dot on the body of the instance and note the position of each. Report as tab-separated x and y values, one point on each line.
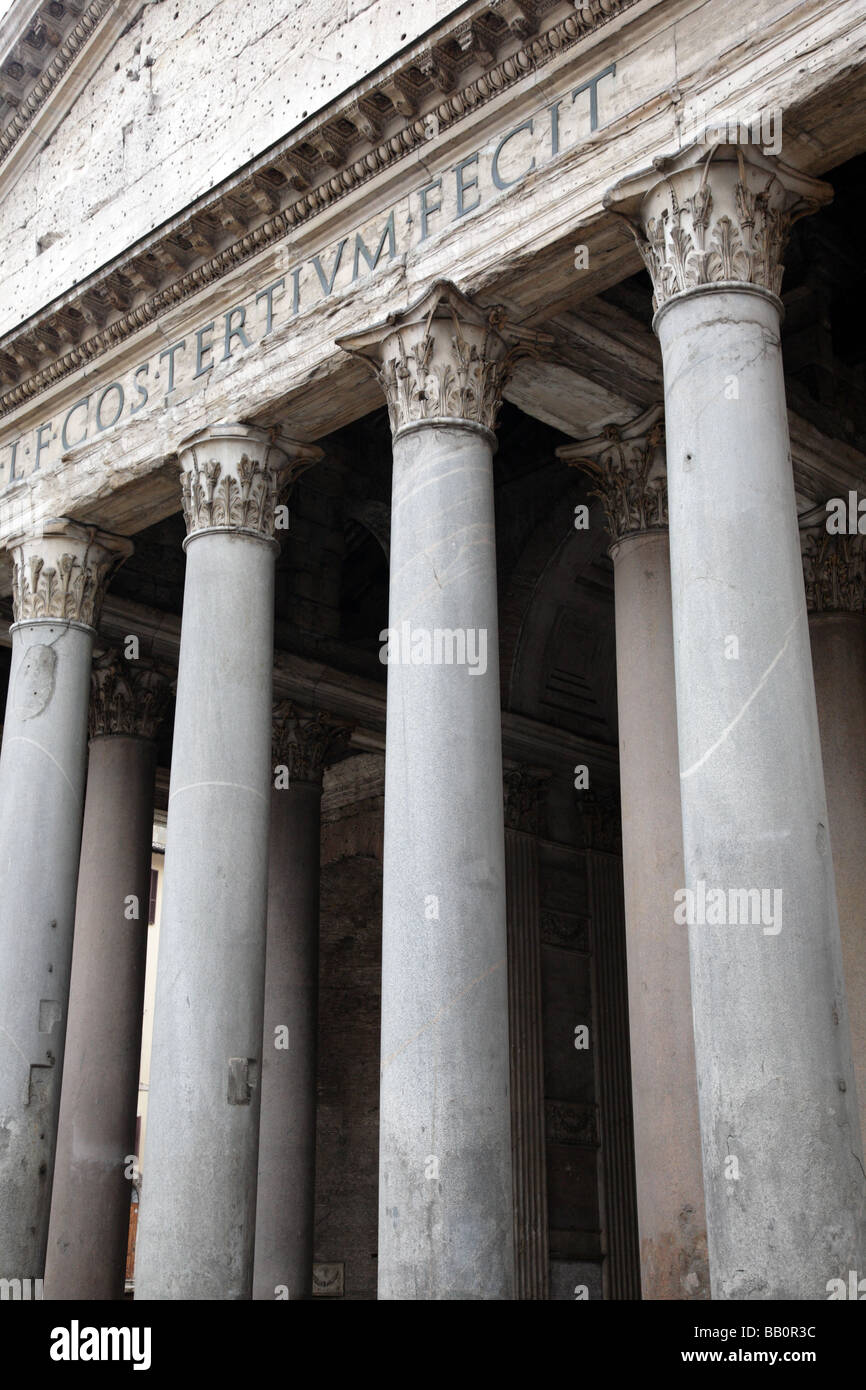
493	194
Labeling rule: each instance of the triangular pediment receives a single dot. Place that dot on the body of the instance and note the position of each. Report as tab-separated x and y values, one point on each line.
48	53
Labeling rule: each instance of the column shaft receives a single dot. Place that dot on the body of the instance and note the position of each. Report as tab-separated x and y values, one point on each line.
445	1170
628	465
58	580
96	1137
197	1217
673	1246
839	658
771	1031
783	1174
42	770
287	1142
197	1222
445	1179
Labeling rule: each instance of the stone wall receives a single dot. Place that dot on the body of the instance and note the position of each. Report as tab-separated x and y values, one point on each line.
188	92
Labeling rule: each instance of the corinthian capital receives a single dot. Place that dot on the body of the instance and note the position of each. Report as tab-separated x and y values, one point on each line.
126	697
60	574
443	361
628	464
306	742
715	215
232	476
834	569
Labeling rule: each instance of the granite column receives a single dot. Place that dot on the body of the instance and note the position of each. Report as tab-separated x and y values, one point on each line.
96	1136
197	1223
445	1197
58	581
628	465
303	743
835	574
783	1176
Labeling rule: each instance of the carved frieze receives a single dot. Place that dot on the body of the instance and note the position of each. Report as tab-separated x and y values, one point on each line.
628	463
126	697
834	570
714	215
61	572
305	742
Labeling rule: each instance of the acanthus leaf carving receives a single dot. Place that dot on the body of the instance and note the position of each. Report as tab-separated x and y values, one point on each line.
714	215
127	697
834	571
628	464
443	360
212	497
233	478
62	572
305	742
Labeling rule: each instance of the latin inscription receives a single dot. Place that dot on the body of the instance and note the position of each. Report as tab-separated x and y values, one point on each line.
173	374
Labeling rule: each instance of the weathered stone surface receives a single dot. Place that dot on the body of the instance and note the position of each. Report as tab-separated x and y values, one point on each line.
209	234
96	1137
166	131
768	995
197	1224
519	249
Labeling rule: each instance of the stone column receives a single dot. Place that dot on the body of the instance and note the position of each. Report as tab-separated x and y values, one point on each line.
87	1236
197	1222
445	1218
628	465
303	744
835	574
58	581
781	1149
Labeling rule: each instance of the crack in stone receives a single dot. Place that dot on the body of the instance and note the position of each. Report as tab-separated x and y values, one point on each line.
737	717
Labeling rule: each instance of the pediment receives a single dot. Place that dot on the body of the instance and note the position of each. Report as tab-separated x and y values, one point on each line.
470	58
48	53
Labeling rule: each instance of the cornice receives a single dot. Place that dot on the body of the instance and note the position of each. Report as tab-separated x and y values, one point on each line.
34	64
385	118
